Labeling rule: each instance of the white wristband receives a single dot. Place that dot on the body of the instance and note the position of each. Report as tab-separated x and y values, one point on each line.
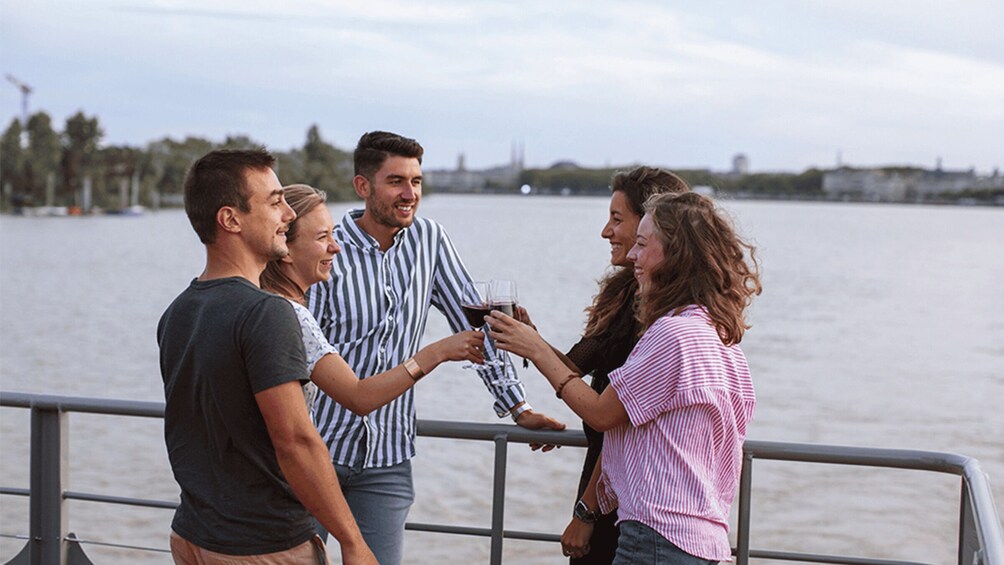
519	410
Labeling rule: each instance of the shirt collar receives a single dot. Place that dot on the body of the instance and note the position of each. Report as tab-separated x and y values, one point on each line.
693	311
358	237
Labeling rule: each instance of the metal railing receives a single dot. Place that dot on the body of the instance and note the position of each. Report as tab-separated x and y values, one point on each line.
981	541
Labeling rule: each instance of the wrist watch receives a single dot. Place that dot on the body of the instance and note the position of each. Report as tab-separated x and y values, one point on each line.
583	513
519	410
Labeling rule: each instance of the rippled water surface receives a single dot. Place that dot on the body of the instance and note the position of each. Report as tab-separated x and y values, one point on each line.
878	326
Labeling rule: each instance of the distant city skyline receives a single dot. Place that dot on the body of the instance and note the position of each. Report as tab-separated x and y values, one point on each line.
791	85
732	166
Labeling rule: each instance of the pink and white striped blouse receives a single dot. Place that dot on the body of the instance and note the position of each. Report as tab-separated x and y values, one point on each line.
675	467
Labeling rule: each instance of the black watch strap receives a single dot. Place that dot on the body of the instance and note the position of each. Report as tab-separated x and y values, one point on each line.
583	513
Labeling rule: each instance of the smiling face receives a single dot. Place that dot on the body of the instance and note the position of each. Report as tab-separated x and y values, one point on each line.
311	252
392	195
620	229
647	253
264	226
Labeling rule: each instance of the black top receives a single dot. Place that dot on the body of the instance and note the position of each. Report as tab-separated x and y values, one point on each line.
599	356
221	342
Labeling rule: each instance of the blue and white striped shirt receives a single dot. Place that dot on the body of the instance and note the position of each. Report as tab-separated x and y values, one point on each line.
374	310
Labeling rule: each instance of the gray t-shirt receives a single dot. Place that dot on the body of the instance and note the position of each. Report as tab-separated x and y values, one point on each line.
221	342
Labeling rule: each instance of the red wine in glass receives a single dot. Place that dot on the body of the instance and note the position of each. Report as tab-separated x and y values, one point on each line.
476	314
504	297
507	308
474	302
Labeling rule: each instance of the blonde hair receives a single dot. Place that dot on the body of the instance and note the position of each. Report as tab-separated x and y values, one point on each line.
705	263
302	199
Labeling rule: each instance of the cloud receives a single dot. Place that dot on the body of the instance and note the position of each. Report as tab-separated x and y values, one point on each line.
588	81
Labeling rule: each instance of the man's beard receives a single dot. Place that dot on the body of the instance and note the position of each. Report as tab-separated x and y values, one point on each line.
385	215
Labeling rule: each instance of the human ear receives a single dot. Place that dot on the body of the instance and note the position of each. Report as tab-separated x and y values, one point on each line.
227	219
362	186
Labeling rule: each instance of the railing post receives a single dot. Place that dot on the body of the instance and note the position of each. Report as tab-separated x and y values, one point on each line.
47	520
498	498
745	494
969	543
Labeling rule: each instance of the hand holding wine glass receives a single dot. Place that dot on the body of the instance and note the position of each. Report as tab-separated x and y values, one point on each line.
509	334
461	346
523	315
505	298
474	301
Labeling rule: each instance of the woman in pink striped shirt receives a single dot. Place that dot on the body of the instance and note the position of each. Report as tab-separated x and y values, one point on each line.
676	412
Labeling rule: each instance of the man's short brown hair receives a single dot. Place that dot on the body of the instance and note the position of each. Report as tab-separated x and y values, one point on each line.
219	179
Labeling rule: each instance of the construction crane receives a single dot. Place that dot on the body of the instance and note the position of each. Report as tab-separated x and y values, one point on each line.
25	93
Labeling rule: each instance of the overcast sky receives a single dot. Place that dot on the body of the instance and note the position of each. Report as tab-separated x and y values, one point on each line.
791	84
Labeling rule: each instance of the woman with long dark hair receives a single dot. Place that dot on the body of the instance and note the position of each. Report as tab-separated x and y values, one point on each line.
675	414
611	332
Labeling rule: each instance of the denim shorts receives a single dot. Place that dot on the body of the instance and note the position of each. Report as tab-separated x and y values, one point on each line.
639	544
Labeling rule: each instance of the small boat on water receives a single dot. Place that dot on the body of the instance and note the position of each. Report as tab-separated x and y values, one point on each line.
134	210
42	211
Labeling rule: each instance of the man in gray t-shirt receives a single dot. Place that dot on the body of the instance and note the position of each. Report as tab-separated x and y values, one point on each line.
251	465
210	387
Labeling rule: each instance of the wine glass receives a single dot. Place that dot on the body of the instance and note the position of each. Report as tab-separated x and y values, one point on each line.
474	301
504	298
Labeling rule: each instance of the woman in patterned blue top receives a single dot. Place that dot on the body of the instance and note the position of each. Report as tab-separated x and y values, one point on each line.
311	249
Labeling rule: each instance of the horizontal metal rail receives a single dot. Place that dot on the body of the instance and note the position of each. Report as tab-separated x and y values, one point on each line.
981	541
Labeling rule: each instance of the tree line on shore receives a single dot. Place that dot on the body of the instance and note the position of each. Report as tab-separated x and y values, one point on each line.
807	184
42	166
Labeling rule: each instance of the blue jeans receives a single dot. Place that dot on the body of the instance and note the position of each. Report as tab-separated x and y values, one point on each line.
380	499
639	544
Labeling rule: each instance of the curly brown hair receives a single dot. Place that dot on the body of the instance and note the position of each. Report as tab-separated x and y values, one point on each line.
619	288
705	263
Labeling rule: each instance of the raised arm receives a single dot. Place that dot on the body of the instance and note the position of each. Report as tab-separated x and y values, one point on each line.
336	379
303	459
449	277
573	362
600	411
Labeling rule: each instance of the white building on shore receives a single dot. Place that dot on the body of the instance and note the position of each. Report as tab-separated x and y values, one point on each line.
904	184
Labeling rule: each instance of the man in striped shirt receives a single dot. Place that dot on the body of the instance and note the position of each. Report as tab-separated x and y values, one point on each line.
392	268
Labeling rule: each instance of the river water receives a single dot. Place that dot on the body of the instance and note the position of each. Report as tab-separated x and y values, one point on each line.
879	325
